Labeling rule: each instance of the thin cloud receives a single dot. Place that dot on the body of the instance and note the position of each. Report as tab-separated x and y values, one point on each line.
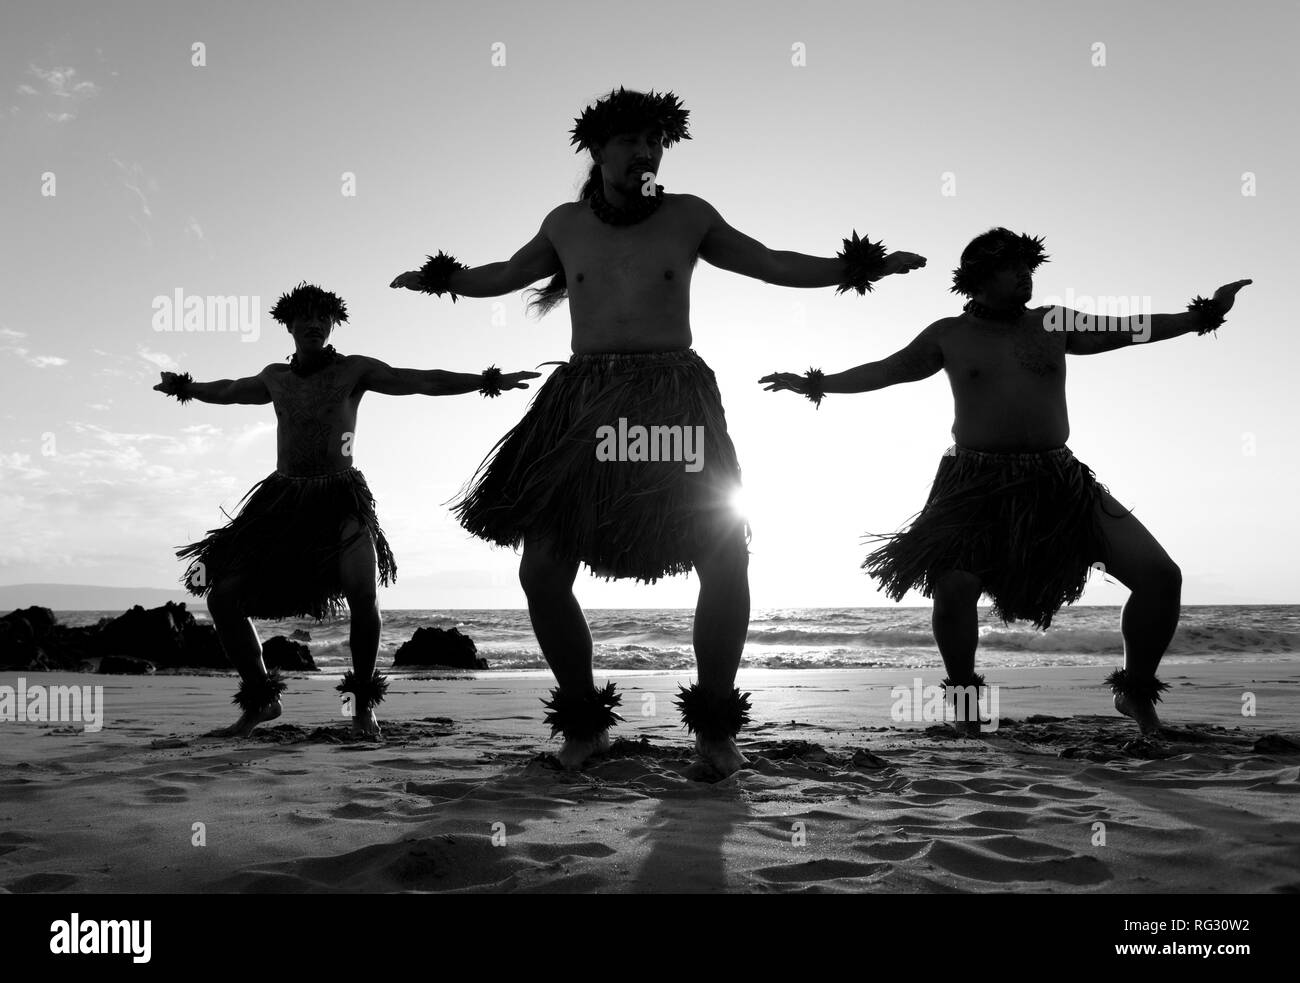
128	366
148	239
116	438
63	82
133	178
161	359
195	231
131	452
18	466
115	495
253	434
64	86
36	361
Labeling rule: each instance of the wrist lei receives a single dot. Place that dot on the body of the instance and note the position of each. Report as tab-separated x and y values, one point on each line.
182	386
1210	312
491	382
435	274
815	380
864	262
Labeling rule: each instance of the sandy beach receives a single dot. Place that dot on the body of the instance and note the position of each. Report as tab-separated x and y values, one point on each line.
462	796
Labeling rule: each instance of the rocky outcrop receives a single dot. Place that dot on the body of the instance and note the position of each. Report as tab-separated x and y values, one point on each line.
167	637
439	647
287	655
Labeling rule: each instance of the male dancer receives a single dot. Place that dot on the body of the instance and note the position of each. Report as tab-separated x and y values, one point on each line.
624	254
307	536
1012	513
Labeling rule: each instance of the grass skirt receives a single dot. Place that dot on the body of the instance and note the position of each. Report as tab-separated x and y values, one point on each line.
645	519
1025	524
285	543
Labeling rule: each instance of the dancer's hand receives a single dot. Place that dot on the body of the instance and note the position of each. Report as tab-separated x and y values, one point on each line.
785	382
514	380
170	384
902	263
1226	294
411	280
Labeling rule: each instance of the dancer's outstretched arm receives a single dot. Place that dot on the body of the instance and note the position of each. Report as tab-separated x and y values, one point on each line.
921	358
730	249
533	261
1091	334
250	391
380	377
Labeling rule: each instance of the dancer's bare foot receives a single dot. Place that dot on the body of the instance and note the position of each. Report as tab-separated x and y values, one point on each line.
722	754
1143	711
573	754
366	724
249	720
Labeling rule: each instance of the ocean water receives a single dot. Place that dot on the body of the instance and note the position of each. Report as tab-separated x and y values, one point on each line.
811	638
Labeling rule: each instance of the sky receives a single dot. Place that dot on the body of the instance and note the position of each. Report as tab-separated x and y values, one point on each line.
1153	145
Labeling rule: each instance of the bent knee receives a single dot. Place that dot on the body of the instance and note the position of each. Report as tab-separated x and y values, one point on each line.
956	587
1167	576
540	572
223	598
362	599
1162	577
727	557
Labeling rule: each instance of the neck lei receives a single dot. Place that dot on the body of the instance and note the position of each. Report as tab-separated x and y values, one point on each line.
642	207
976	309
328	357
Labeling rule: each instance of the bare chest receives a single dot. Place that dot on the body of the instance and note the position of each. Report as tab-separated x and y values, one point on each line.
325	395
1021	354
658	252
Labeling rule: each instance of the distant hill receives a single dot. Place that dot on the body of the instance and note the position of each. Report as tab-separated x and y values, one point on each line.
89	597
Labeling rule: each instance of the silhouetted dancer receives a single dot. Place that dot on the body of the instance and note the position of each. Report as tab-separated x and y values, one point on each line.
307	537
623	254
1012	513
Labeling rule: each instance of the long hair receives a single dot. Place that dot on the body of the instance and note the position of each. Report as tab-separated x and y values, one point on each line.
547	298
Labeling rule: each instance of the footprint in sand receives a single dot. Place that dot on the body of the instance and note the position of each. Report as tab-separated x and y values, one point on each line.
193	778
818	870
11	841
996	819
1071	815
307	819
439	863
42	883
937	786
1004	860
1018	848
1061	791
167	793
988	786
893	849
355	810
546	853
